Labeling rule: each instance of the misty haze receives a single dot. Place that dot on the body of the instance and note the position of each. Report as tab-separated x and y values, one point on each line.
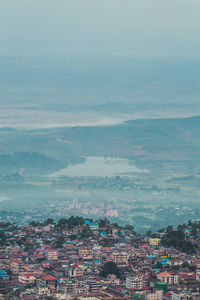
100	149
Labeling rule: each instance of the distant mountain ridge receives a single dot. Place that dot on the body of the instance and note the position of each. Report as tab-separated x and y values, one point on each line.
148	134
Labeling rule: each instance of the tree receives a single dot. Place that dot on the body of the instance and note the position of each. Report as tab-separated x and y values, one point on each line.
62	223
185	264
169	228
2	237
49	221
149	233
71	222
86	232
103	223
107	242
194	232
34	223
176	239
60	241
110	267
27	246
129	229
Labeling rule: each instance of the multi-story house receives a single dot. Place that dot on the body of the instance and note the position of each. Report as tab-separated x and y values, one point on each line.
180	296
155	295
168	278
51	254
120	257
26	278
134	282
86	254
76	270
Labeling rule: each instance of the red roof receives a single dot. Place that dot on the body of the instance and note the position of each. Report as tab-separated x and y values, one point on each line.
49	277
187	275
165	274
17	249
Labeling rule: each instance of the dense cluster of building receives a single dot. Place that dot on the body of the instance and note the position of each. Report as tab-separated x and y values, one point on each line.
58	261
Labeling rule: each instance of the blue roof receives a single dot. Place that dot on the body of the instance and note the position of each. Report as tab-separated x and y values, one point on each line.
88	222
2	272
71	242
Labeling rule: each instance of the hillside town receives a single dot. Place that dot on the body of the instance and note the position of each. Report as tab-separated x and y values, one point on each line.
80	258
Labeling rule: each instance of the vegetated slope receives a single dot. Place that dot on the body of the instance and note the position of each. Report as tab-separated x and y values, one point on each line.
149	135
153	143
150	141
28	160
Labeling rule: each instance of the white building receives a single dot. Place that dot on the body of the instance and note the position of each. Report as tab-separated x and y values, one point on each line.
134	283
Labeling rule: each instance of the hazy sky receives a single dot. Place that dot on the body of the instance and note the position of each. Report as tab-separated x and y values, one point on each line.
100	27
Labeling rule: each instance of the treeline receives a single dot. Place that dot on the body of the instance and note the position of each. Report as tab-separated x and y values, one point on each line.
178	240
78	221
62	223
69	222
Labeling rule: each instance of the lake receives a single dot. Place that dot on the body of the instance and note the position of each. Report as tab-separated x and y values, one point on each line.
100	166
